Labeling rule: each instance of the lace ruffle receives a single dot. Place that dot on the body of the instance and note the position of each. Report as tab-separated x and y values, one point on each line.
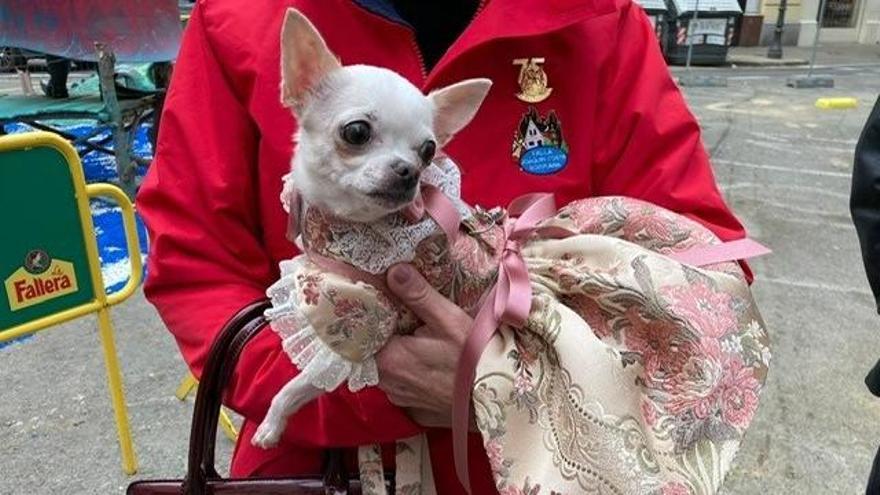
317	363
376	246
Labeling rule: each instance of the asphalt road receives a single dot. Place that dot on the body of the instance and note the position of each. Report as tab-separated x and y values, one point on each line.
868	70
783	165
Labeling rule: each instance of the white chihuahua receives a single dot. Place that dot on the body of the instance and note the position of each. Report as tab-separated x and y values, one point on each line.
365	137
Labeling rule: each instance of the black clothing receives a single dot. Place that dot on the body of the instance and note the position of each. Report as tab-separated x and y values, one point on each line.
436	24
865	208
874	479
58	68
865	198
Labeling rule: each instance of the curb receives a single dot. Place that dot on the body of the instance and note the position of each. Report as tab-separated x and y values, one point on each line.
758	61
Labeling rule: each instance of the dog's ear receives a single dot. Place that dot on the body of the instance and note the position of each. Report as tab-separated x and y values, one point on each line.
305	59
456	105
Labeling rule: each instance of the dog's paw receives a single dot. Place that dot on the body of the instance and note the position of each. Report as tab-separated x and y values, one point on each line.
267	434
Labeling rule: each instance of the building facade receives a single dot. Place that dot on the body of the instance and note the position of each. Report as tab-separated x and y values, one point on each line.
843	21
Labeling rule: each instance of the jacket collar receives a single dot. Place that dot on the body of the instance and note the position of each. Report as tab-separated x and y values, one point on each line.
507	18
383	8
498	19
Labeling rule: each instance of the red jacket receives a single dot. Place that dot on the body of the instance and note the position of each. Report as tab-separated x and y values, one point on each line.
210	199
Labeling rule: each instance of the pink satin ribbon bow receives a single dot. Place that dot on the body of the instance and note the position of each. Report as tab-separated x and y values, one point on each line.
509	301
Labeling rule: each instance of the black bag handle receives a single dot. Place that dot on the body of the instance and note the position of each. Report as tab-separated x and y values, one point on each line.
225	351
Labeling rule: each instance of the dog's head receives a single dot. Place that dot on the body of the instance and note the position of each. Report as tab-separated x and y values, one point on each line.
365	133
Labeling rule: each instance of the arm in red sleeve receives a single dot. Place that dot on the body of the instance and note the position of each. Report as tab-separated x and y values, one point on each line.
648	145
207	259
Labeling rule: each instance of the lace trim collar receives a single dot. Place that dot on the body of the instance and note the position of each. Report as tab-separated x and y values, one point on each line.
377	246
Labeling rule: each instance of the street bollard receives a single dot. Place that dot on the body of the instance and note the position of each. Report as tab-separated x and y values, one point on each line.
837	103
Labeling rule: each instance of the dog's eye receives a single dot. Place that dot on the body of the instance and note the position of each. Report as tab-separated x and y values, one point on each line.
357	133
427	150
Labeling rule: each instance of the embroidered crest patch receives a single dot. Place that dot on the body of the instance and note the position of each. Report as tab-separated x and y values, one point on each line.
538	145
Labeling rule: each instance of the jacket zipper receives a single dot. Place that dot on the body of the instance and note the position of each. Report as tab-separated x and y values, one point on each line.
418	51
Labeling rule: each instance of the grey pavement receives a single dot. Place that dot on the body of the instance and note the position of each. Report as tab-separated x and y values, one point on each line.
785	168
827	54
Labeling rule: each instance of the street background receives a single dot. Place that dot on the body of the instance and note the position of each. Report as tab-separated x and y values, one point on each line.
783	165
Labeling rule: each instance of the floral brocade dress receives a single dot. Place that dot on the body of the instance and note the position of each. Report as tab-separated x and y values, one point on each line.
634	374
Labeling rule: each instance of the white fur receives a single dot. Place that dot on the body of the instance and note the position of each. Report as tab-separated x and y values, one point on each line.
295	394
327	172
325	96
331	174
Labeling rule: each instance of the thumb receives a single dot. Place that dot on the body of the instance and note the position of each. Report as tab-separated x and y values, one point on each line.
430	306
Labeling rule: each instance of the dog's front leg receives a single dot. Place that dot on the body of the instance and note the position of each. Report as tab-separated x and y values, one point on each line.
295	394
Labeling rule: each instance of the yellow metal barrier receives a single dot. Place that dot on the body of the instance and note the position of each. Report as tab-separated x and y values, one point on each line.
101	302
129	224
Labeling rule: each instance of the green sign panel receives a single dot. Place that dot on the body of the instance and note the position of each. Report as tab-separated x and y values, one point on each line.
44	267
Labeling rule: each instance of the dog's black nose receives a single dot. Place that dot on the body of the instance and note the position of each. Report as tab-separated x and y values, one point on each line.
404	170
406	184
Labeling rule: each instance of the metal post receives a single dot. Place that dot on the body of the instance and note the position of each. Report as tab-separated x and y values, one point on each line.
689	79
117	394
690	38
775	50
816	37
810	80
125	167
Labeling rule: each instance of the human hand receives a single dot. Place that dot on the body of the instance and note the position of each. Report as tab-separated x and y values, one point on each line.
417	371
